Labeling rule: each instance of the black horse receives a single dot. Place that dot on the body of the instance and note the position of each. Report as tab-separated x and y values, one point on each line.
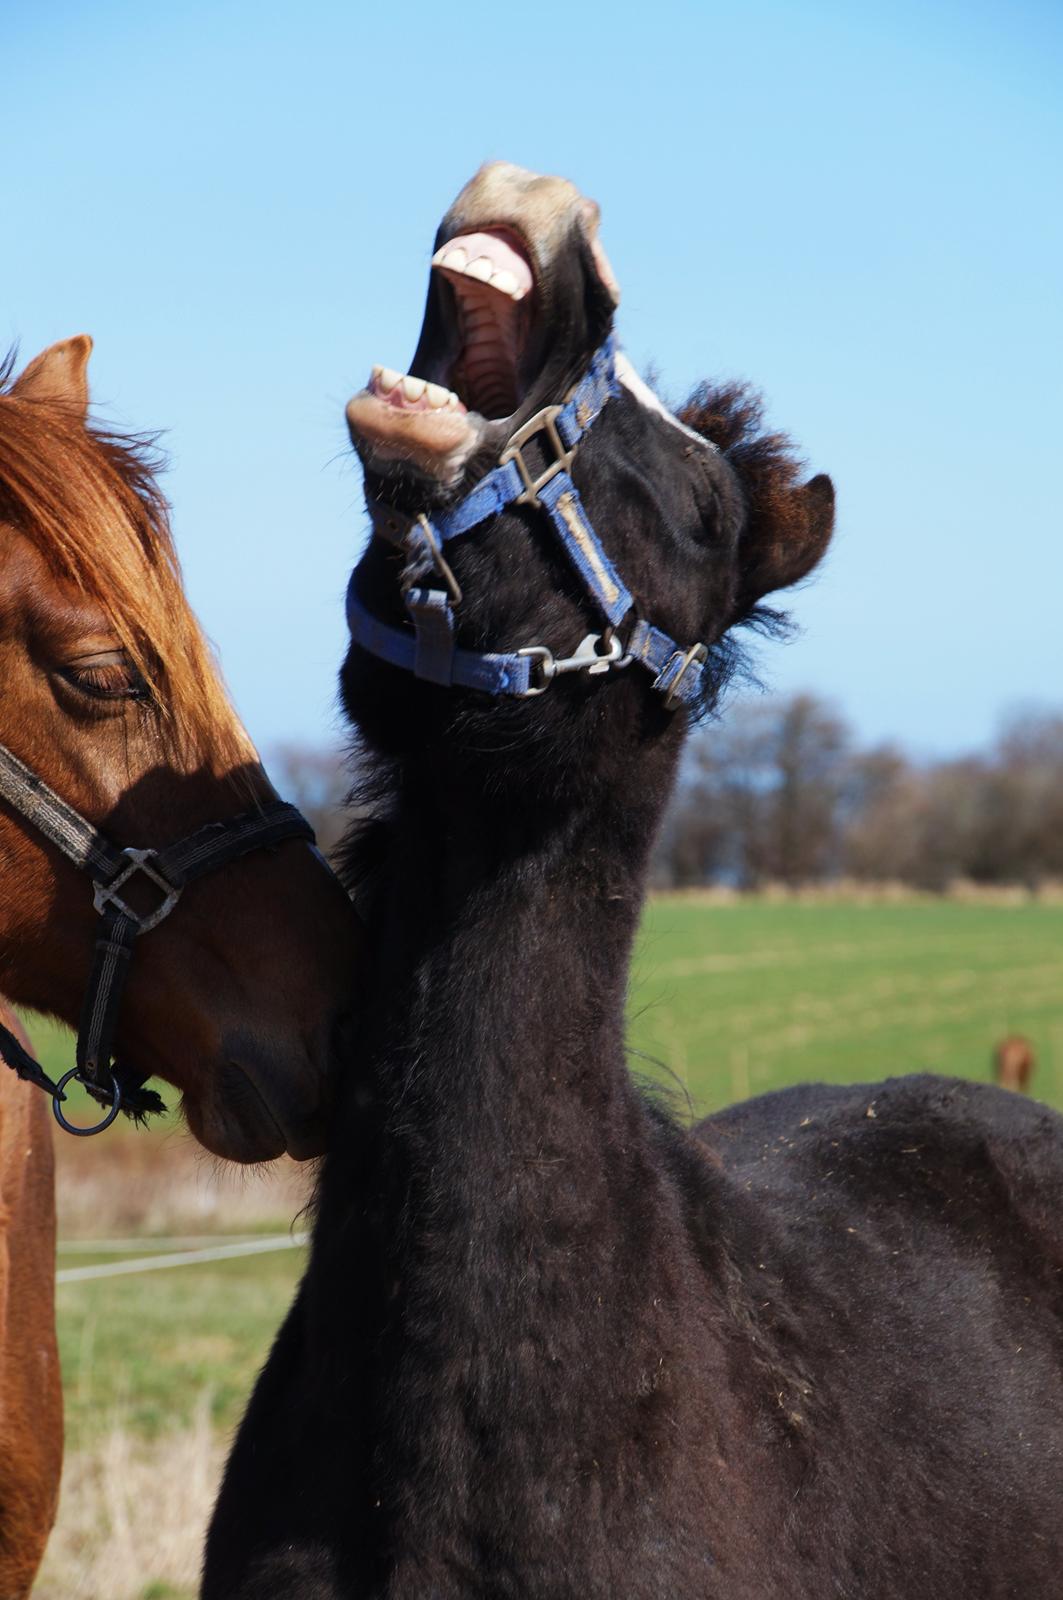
551	1346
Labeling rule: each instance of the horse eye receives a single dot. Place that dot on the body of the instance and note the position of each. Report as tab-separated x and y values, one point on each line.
109	675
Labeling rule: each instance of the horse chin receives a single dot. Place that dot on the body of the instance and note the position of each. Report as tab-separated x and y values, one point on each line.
237	1122
396	441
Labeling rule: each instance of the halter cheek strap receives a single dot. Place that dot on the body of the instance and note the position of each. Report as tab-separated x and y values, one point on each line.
429	649
168	871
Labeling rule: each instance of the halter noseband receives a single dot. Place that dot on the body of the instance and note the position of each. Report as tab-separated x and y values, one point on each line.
429	650
169	871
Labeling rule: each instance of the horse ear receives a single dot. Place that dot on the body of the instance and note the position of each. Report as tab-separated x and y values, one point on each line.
60	374
784	540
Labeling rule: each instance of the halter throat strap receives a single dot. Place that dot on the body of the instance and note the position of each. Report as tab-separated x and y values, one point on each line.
432	595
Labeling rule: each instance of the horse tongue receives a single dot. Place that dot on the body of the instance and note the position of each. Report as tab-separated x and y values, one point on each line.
490	258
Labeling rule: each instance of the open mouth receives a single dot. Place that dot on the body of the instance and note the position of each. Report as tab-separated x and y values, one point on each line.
434	419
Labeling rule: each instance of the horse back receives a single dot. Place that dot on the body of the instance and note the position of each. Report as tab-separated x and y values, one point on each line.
897	1252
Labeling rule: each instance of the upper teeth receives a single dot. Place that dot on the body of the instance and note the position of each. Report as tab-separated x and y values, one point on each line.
454	259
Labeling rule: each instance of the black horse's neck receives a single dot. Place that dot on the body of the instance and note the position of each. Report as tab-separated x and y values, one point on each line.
504	1198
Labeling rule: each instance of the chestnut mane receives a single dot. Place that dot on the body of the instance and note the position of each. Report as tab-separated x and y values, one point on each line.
87	498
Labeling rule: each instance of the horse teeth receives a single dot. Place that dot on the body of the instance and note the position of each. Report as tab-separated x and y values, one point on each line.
413	388
454	260
388	379
437	396
506	283
481	269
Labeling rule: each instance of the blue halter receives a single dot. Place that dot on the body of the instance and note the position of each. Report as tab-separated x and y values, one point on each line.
429	650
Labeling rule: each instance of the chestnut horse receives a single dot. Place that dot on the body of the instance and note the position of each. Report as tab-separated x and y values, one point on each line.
1013	1063
31	1405
239	998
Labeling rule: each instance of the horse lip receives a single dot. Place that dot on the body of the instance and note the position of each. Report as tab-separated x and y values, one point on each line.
300	1133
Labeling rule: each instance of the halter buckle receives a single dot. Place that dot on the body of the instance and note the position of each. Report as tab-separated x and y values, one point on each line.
697	653
544	421
106	894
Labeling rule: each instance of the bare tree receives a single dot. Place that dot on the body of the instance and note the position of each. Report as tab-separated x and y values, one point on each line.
761	796
317	780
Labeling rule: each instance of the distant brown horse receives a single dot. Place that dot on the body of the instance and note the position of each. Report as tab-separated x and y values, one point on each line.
31	1403
109	695
1013	1062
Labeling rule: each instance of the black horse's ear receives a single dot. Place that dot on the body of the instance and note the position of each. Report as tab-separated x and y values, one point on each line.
59	375
786	535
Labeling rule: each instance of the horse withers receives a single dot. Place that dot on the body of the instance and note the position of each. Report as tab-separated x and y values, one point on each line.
116	736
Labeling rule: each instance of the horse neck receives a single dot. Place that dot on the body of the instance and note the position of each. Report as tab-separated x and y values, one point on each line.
504	958
493	1150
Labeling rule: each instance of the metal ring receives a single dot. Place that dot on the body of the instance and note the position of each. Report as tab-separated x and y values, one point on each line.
109	1115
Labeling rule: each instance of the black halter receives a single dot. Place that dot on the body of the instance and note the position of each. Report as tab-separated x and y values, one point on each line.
169	870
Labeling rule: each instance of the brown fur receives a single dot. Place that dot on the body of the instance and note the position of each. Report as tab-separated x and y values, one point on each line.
88	500
31	1403
1013	1063
235	997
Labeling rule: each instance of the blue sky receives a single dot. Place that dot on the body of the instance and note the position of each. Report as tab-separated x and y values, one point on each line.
856	207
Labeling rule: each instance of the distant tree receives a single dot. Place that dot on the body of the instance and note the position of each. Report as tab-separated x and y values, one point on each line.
760	797
809	753
317	780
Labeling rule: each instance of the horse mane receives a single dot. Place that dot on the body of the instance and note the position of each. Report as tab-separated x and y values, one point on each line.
768	466
87	498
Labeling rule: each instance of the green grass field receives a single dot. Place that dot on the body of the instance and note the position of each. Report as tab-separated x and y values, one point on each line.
737	999
726	1001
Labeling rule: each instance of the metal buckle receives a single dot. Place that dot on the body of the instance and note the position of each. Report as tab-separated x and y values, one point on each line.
544	421
97	1127
697	652
587	658
106	894
439	561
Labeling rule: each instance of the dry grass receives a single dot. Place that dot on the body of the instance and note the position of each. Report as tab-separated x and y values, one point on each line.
860	892
133	1515
146	1182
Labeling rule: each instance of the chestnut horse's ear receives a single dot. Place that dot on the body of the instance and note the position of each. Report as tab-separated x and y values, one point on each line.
784	540
59	373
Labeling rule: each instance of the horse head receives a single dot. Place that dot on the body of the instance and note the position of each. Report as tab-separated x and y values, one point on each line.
109	694
566	523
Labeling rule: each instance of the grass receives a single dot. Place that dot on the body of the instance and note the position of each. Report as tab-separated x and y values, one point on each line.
143	1350
728	1000
737	999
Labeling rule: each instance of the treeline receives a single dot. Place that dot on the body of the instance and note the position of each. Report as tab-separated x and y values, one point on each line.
780	792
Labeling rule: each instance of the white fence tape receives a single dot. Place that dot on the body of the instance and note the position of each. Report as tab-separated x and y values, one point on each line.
182	1258
160	1241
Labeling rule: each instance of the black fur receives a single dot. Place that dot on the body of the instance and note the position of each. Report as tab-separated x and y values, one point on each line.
550	1346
